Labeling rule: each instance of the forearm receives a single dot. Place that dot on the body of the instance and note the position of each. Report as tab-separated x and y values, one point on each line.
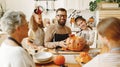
90	41
54	44
51	44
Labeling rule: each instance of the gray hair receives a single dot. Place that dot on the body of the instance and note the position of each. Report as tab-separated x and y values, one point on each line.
10	21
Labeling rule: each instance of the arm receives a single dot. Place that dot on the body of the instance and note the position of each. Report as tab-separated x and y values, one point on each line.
31	38
49	35
91	37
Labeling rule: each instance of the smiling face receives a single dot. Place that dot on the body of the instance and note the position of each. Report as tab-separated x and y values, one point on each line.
81	24
61	17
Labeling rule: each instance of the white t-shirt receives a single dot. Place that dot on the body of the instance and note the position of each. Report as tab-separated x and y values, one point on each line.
105	60
88	34
14	56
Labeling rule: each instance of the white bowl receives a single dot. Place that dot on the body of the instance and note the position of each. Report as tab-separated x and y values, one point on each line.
43	56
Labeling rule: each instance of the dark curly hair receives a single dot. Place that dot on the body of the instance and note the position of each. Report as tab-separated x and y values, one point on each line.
79	17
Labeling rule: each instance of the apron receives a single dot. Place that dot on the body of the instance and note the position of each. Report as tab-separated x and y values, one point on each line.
59	37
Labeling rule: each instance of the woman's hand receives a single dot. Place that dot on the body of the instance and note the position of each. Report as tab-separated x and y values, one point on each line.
32	45
35	46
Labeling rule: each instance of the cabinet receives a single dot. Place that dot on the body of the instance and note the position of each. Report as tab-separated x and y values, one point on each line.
77	4
109	13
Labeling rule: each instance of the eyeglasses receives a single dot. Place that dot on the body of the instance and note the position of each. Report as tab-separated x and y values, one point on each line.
62	15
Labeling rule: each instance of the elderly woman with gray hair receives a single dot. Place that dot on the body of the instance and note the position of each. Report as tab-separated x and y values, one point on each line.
11	52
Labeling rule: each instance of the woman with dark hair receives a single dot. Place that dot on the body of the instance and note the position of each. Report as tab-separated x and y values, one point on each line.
109	32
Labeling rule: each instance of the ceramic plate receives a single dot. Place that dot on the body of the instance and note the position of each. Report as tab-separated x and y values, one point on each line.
43	56
43	62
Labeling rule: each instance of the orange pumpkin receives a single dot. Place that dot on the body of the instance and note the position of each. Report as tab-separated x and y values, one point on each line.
72	20
75	43
91	19
59	60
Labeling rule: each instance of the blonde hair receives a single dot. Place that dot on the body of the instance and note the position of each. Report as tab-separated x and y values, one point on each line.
110	28
33	24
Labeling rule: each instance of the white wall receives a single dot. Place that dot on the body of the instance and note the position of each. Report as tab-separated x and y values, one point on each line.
27	7
22	5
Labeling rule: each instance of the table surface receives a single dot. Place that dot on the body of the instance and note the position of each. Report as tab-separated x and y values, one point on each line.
68	52
69	62
53	65
69	59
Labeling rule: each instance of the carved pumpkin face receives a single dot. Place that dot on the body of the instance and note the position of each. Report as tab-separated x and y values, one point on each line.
75	43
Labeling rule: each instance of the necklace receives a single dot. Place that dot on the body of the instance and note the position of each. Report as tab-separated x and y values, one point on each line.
115	49
14	41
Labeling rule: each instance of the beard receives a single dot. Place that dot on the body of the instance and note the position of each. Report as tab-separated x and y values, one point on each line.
62	23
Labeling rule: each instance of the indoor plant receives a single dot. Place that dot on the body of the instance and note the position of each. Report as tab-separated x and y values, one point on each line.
92	5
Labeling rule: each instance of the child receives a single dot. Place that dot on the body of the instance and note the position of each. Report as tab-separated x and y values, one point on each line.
109	32
85	31
36	32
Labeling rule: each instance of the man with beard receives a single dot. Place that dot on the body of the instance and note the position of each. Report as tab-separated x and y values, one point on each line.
56	34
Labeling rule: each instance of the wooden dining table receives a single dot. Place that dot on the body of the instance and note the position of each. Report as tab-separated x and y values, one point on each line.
69	59
53	65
